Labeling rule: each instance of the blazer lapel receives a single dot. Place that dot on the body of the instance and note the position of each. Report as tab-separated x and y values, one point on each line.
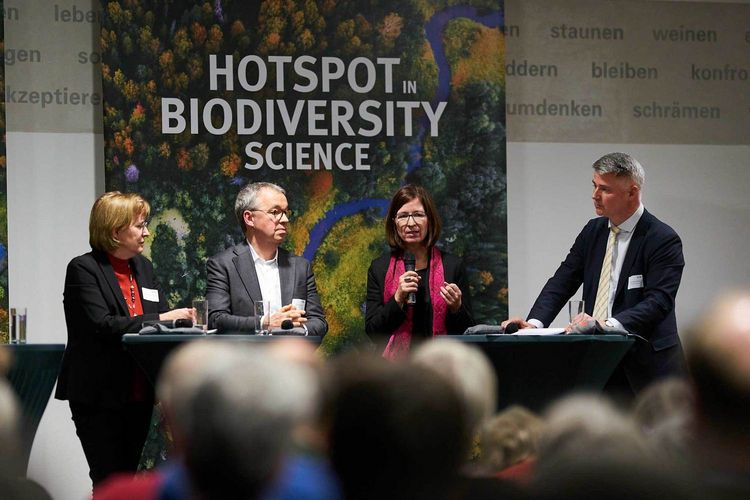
286	277
136	265
109	276
243	261
639	235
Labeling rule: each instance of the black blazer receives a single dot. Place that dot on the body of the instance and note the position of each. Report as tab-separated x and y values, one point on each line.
232	288
95	368
655	253
382	319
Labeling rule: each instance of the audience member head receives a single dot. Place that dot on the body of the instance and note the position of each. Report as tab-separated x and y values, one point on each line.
470	373
718	356
664	414
432	223
309	434
6	361
588	425
183	372
508	438
9	430
590	449
397	431
111	214
237	412
13	483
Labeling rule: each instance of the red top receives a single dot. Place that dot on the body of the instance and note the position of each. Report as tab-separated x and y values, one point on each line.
123	486
132	297
128	285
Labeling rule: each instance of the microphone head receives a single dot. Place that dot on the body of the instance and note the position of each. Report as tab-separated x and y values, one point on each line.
511	328
287	324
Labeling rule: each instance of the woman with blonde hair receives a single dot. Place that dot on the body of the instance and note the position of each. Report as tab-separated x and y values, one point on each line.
110	291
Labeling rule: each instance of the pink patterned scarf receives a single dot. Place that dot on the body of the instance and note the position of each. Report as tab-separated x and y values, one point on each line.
398	344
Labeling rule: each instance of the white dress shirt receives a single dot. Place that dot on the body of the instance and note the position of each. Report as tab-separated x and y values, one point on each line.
622	242
268	278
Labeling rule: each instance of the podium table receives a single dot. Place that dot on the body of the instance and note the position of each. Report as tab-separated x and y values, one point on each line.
533	370
32	375
149	351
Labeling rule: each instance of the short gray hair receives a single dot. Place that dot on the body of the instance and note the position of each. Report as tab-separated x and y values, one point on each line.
468	370
622	165
243	415
248	197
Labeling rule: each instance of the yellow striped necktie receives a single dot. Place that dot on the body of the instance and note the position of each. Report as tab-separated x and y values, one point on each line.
601	306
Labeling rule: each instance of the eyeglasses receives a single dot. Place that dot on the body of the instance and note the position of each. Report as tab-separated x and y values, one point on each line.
143	226
403	218
276	214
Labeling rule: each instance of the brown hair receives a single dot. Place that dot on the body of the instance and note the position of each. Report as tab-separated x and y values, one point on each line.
402	197
112	212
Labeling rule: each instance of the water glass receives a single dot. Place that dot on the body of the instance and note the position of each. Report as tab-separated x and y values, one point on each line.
17	325
262	316
201	313
575	307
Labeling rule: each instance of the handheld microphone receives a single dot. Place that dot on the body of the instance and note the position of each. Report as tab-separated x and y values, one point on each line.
511	328
287	324
410	264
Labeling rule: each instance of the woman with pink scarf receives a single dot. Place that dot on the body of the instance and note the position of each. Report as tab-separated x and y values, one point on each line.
438	281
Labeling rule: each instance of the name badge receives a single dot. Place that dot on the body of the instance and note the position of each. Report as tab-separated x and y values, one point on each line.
635	281
150	294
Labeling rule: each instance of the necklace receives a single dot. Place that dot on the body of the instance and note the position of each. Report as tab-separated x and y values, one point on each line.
131	306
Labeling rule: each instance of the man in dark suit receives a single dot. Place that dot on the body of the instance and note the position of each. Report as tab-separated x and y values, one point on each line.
634	288
258	270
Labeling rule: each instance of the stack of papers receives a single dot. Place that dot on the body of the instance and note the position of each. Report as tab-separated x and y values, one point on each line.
540	331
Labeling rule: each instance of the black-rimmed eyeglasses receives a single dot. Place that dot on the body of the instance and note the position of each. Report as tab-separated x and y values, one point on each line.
276	213
403	218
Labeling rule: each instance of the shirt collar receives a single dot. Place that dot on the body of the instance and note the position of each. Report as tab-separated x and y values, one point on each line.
257	257
629	224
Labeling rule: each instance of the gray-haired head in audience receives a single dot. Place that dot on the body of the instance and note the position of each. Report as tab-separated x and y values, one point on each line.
237	409
470	373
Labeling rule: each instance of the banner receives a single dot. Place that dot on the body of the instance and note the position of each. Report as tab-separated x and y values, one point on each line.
339	102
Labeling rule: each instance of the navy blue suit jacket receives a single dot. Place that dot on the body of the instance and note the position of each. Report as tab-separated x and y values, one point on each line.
655	253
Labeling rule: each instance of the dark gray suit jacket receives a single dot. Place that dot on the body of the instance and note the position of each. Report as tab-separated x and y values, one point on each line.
233	288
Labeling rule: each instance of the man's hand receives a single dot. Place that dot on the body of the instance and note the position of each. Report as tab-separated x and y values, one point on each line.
287	312
580	320
522	323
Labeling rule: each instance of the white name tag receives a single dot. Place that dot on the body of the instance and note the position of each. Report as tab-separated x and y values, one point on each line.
150	294
635	281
